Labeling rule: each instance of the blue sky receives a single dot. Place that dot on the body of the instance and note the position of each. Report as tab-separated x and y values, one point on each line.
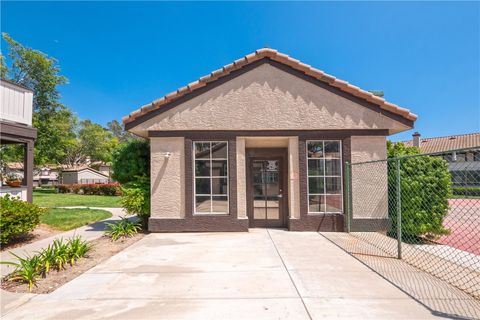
121	55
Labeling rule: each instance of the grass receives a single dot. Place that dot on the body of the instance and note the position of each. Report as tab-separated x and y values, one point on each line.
67	219
48	198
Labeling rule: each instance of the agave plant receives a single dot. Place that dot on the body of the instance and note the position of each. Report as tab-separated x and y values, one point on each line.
77	248
27	269
123	228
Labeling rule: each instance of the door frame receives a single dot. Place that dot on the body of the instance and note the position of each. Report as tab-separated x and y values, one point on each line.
280	154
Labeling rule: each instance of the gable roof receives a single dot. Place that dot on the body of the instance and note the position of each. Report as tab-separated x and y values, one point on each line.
79	169
440	144
278	57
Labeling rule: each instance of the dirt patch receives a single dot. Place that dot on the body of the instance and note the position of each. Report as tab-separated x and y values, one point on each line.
41	232
103	248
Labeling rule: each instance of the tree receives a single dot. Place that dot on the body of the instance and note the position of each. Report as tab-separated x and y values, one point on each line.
54	122
119	132
425	183
131	160
91	141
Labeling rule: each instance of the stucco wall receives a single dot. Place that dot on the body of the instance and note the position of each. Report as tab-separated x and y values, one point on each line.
241	180
167	177
267	98
369	180
293	178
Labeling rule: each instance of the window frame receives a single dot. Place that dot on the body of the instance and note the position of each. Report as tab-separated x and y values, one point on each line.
324	176
210	178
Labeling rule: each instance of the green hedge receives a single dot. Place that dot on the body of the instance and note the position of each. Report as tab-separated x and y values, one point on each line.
17	218
466	191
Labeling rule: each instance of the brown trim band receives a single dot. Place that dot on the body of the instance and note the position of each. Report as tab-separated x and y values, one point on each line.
231	134
253	65
17	131
198	223
370	225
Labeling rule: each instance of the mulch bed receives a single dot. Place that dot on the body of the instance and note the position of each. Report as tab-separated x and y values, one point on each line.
103	248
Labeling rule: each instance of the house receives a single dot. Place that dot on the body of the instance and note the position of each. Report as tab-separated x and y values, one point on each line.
461	151
263	142
16	128
83	175
43	176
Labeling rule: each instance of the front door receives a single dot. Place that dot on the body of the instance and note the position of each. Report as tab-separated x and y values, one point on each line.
266	192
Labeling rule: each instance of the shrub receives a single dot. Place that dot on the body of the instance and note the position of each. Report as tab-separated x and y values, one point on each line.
17	218
466	191
425	189
27	270
136	198
130	160
107	189
123	228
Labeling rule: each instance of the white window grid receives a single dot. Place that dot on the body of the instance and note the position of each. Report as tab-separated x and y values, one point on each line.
210	177
324	176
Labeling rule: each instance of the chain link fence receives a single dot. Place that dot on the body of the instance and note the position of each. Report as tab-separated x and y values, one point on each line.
423	209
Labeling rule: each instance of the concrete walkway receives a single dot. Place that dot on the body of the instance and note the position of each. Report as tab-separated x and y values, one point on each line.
9	300
262	274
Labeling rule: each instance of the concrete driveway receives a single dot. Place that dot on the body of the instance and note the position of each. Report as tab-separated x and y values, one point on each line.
263	274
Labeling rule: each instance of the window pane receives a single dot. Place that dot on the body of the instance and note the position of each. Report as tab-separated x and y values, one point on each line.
333	185
202	168
333	203
332	149
220	204
316	203
219	150
315	167
219	186
332	167
219	168
202	150
202	185
315	185
315	149
202	204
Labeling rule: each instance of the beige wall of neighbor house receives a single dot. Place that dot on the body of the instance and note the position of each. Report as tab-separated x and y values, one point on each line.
369	180
267	98
84	176
167	177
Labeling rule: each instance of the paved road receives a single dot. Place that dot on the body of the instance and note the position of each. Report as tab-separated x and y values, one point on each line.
262	274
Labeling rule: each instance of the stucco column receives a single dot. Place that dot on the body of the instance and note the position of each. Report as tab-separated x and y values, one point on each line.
293	178
241	180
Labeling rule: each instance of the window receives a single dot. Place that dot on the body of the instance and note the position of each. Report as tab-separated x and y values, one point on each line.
211	177
324	171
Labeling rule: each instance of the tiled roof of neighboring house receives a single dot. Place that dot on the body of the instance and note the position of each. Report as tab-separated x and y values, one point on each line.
279	57
440	144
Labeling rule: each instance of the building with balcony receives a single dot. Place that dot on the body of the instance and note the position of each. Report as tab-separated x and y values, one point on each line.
16	103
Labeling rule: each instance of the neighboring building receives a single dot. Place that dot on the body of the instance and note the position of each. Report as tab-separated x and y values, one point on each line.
263	142
102	167
464	164
83	175
44	176
16	128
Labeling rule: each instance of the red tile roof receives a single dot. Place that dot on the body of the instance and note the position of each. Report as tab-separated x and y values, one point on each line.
279	57
440	144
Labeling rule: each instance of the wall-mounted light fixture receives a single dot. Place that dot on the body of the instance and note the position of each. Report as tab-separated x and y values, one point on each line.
167	155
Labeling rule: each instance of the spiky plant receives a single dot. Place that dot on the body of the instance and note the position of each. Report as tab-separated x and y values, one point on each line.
123	228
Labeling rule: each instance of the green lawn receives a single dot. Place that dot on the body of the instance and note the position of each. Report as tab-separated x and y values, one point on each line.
67	219
48	198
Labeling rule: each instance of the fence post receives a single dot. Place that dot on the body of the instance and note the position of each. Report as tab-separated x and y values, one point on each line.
348	193
399	212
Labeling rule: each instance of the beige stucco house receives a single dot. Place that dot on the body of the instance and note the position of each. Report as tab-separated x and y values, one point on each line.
263	142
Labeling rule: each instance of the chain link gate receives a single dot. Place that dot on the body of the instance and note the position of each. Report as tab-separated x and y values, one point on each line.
423	209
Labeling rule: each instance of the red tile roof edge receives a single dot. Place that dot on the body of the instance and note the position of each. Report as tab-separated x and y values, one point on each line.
279	57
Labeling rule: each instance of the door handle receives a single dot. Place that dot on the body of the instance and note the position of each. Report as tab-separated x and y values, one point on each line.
280	196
